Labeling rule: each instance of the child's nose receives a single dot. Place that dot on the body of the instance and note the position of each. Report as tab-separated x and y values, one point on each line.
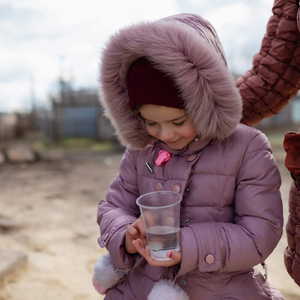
165	134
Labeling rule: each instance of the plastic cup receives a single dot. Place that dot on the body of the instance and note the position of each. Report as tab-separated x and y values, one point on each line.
161	216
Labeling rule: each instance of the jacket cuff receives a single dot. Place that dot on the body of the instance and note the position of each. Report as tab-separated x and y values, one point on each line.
189	251
116	249
209	256
113	238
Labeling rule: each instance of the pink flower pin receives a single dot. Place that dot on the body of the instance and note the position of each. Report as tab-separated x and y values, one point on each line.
163	156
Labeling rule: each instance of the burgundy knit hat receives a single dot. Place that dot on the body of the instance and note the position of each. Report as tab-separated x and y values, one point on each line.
148	85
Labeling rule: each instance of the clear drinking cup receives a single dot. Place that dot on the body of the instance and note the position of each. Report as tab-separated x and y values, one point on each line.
161	216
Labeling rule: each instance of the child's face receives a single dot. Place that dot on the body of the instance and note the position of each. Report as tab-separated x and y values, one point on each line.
169	125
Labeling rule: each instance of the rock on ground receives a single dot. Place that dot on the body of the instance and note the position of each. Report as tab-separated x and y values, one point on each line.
20	153
10	262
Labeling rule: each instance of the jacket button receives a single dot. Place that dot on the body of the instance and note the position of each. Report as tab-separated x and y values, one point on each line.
191	157
186	220
176	188
105	237
184	282
187	190
209	259
158	186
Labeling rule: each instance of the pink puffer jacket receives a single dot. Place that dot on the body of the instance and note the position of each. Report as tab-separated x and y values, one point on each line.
231	213
266	90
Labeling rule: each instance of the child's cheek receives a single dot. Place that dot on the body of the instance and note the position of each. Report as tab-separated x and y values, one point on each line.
152	132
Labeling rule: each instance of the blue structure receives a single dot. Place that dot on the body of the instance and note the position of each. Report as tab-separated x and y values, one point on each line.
80	121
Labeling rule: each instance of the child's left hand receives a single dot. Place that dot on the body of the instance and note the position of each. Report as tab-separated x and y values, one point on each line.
145	251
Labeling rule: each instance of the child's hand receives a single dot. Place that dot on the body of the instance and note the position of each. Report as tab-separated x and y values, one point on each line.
145	251
133	232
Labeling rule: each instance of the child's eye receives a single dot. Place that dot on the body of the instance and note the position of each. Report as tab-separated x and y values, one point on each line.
179	124
151	124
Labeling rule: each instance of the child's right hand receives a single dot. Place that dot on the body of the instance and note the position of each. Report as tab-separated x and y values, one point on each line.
133	232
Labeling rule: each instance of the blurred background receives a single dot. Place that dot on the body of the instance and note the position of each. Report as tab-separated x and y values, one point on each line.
49	58
58	153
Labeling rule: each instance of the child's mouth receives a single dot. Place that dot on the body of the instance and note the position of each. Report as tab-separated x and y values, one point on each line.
173	142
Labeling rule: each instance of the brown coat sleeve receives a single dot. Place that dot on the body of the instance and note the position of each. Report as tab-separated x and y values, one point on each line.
292	163
275	74
292	251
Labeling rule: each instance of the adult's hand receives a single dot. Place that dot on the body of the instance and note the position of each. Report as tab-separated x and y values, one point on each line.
291	145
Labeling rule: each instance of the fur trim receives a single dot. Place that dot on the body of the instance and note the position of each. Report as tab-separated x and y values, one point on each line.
187	48
165	289
106	273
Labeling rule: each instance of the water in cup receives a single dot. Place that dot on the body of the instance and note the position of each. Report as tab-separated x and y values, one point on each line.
161	239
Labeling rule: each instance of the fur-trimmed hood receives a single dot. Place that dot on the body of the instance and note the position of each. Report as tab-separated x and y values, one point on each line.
187	48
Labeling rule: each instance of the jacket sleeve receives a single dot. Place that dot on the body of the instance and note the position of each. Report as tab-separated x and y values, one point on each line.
292	252
119	211
292	163
275	74
257	227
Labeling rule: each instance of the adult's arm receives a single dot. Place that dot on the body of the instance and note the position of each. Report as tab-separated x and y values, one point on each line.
275	74
292	163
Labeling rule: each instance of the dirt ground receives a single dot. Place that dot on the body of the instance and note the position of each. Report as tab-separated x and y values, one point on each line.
53	206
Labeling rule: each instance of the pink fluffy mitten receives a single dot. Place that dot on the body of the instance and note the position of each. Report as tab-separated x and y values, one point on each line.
165	289
99	288
106	274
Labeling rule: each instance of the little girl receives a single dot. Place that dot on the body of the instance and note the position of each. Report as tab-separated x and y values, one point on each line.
165	86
